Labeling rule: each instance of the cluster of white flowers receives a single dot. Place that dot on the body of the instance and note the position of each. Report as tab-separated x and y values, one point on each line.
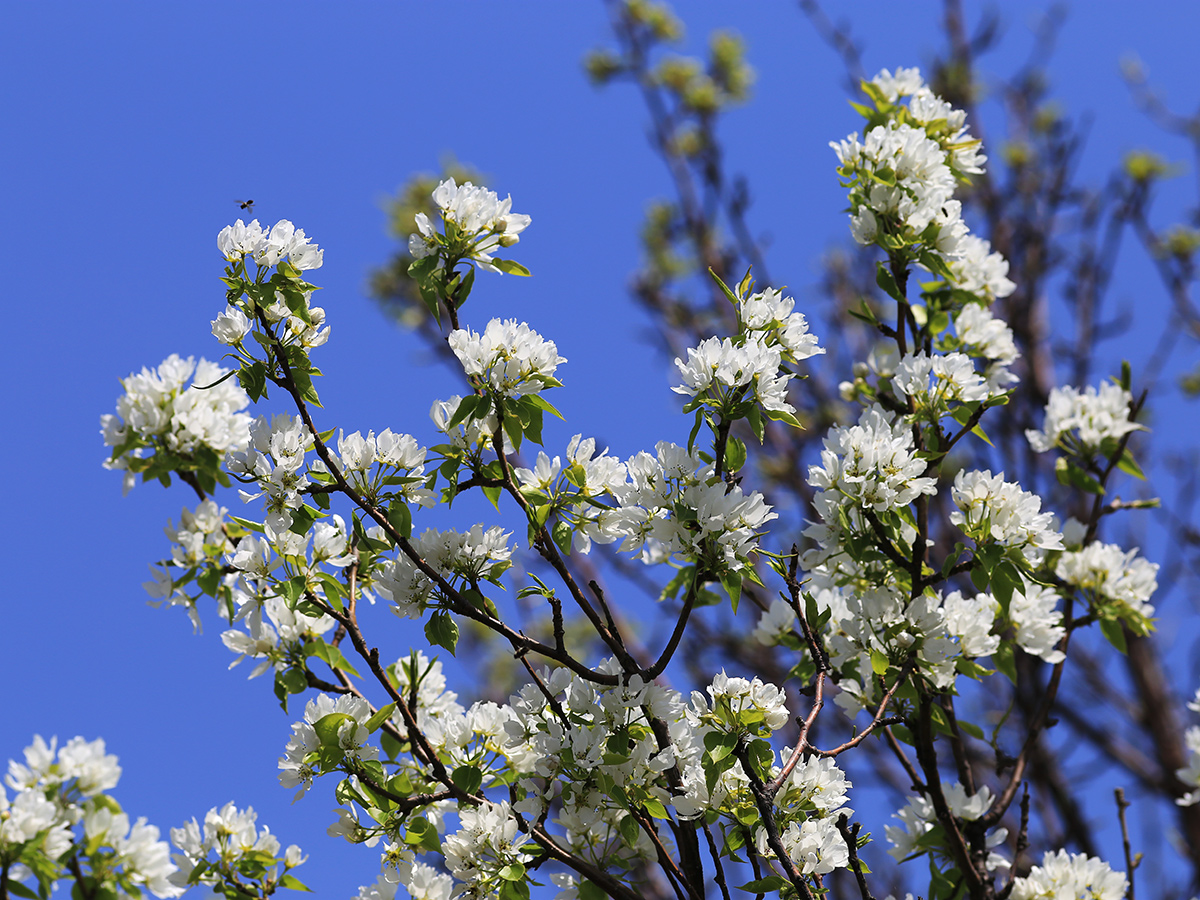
673	504
992	509
474	216
1084	420
1075	875
350	712
232	325
486	842
871	464
231	835
981	270
1112	574
769	332
870	622
157	410
919	817
718	368
284	631
971	620
903	183
275	460
473	435
770	317
982	334
933	382
399	456
589	473
55	790
267	249
741	705
565	748
944	122
200	539
508	358
461	558
1037	622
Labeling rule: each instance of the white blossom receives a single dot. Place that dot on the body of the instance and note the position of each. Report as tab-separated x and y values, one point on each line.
1075	876
509	358
1088	418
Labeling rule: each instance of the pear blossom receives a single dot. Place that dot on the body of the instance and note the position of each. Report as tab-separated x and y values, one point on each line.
509	358
1087	417
992	509
477	216
1074	876
1112	574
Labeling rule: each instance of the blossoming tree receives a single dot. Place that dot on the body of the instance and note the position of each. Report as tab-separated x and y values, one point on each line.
604	773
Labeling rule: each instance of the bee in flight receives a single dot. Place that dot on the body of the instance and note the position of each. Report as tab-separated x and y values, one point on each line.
246	205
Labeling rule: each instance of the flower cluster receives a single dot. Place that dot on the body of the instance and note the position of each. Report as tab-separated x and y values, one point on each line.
1037	622
340	724
458	558
1070	875
992	509
508	358
268	248
201	539
477	223
56	789
722	373
1113	578
275	460
1084	420
229	848
159	413
918	818
401	461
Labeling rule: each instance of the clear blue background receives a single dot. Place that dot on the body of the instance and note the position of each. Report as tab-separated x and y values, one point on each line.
130	129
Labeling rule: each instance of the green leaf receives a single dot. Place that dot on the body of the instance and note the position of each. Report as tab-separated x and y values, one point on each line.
1071	475
732	582
466	406
331	655
19	890
887	282
463	289
629	829
293	883
248	525
879	662
513	872
542	404
442	631
1004	661
467	778
770	885
328	726
400	516
589	890
253	379
1129	466
511	267
655	808
561	533
973	730
303	518
1112	630
382	715
732	297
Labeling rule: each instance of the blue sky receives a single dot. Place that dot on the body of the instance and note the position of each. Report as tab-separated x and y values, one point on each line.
133	127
